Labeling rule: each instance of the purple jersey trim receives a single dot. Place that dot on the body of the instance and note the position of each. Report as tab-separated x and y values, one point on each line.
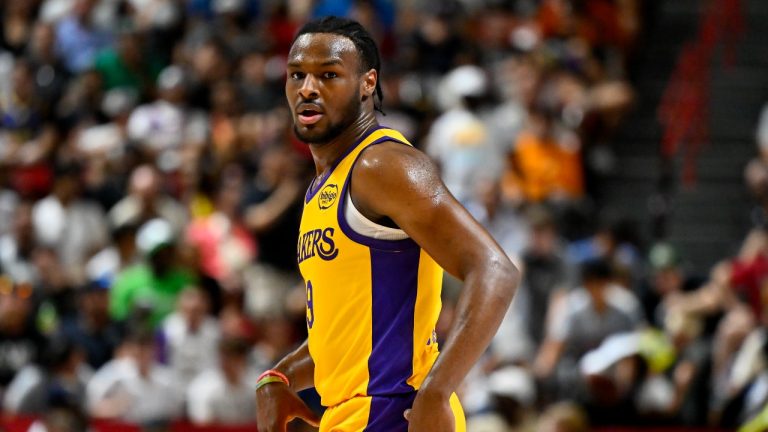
390	245
394	276
386	413
314	188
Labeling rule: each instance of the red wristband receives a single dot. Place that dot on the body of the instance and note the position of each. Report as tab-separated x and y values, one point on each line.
274	373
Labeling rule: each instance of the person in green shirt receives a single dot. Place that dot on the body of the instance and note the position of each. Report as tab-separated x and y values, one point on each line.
128	65
150	289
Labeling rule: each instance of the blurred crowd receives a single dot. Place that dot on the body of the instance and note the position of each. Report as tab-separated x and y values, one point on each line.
150	194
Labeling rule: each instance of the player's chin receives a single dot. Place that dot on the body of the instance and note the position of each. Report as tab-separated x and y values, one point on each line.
309	134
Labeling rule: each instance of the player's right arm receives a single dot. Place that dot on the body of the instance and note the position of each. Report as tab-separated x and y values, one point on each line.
277	404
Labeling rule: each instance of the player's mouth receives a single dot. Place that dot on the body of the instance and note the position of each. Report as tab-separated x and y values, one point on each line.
309	114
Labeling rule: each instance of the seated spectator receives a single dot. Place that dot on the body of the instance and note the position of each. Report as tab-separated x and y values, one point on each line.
589	315
190	335
546	271
545	163
21	343
168	124
145	200
73	227
92	329
153	286
273	203
16	23
128	65
500	217
121	253
223	242
78	39
460	141
27	137
224	395
60	379
17	247
134	387
258	94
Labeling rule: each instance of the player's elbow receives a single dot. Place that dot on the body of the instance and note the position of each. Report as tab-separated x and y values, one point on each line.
508	279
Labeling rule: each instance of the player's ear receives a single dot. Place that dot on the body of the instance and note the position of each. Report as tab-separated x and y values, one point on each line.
368	84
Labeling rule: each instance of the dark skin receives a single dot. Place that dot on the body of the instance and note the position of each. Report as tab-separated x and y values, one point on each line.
325	76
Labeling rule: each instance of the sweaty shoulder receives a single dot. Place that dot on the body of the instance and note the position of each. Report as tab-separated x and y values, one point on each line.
390	177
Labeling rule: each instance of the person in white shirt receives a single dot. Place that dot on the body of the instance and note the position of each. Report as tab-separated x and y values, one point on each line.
191	336
224	395
134	387
71	226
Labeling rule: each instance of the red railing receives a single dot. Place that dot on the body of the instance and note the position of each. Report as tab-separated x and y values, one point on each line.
684	109
22	424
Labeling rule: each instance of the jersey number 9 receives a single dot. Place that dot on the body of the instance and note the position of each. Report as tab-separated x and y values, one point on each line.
310	306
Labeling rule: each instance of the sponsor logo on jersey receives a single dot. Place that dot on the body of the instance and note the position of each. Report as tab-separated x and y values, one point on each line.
328	196
317	242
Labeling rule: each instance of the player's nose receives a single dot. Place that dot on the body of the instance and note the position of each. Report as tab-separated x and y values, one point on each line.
308	89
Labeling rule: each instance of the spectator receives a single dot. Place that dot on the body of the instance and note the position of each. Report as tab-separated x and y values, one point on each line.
51	75
17	23
105	265
590	315
190	336
257	92
224	395
546	272
222	241
545	163
26	137
91	329
78	39
20	342
17	247
272	211
168	125
73	227
146	201
134	387
153	286
59	380
129	66
459	140
500	217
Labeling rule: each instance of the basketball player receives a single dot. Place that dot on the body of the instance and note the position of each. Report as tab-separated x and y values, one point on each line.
377	227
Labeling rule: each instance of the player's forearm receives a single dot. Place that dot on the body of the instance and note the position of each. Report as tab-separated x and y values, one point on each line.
299	368
482	305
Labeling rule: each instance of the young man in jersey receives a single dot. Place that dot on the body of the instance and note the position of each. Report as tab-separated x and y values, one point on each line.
377	227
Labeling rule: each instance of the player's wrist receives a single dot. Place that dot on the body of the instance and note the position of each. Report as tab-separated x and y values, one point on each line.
435	392
272	376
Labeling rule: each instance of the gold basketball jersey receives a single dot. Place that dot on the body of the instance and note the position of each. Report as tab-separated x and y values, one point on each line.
372	304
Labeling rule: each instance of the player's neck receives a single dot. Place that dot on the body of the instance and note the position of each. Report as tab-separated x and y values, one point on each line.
325	155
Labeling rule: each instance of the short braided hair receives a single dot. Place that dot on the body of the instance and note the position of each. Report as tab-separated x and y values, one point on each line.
352	30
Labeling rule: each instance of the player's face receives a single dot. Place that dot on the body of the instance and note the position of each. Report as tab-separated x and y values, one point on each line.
323	86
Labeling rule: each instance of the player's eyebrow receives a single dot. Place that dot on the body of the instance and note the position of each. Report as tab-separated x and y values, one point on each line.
329	62
332	62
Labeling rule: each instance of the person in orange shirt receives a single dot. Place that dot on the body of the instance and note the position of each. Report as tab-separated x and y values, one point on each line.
545	164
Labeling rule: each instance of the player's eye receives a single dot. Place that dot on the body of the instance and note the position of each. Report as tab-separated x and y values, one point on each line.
329	75
297	76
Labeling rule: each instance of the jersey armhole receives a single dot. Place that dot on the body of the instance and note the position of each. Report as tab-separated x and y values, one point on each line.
392	244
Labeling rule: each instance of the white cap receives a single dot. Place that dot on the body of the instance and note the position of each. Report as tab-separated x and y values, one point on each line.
514	382
467	80
171	77
613	349
153	234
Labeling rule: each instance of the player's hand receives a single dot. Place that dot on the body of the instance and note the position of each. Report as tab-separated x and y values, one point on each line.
430	412
277	405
